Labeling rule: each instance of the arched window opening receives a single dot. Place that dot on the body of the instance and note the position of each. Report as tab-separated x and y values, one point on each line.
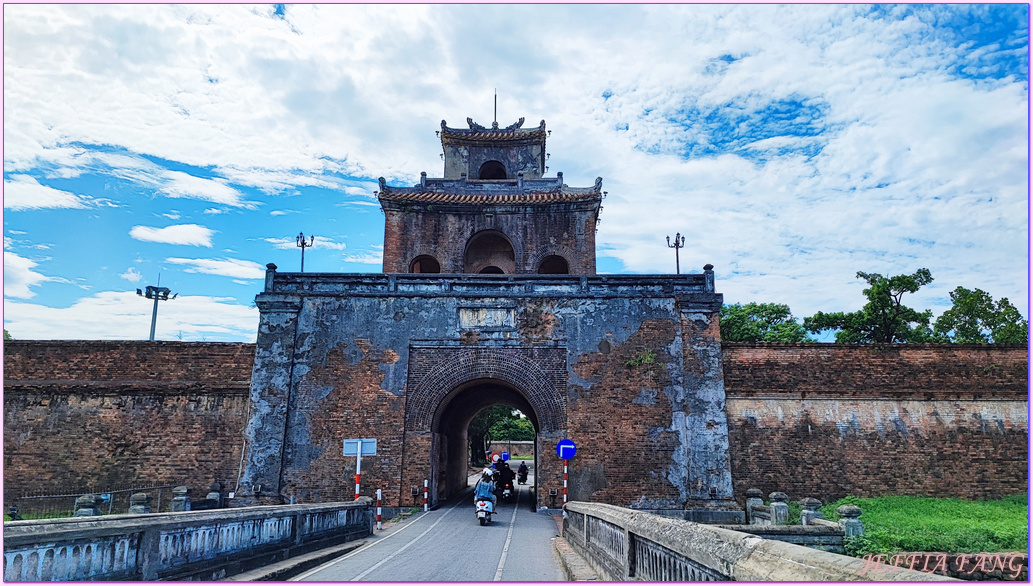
554	265
489	252
425	264
492	170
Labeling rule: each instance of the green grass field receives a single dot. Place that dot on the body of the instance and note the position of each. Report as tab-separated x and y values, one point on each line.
904	524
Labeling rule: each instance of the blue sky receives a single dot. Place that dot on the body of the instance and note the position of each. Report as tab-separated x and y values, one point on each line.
792	145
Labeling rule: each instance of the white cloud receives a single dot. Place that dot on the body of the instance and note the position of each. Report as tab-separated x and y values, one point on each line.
118	315
19	276
229	267
131	275
369	258
25	193
179	184
188	234
281	212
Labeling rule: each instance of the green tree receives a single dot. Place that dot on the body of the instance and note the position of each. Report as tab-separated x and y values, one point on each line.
974	318
7	336
514	428
479	431
760	322
884	318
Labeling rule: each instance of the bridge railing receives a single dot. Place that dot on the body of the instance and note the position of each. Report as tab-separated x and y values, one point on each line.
163	546
623	544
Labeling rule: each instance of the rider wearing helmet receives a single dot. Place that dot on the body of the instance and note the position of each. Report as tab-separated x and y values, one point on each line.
485	487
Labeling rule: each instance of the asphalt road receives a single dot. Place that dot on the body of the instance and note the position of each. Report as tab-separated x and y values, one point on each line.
449	545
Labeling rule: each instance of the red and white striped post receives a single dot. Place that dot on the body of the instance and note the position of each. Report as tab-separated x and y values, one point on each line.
358	468
380	524
426	484
564	481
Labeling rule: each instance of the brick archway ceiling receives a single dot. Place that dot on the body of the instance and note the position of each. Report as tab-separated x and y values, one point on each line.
485	365
460	407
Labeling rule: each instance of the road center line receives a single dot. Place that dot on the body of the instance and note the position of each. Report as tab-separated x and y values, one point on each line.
509	538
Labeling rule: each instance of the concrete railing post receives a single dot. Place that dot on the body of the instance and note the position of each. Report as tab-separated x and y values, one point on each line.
810	511
849	521
753	497
86	506
138	503
181	500
215	494
779	508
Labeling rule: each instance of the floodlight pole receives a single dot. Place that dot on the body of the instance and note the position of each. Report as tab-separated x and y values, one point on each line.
679	242
303	245
157	294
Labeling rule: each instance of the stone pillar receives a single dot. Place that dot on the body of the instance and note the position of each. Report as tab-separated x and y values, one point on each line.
271	385
849	521
215	495
138	504
753	497
180	502
810	511
779	508
86	506
700	418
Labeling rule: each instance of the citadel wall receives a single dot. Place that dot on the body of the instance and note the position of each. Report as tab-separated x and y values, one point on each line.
818	420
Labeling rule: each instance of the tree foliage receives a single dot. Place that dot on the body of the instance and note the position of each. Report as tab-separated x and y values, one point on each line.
974	318
496	423
514	428
760	322
884	318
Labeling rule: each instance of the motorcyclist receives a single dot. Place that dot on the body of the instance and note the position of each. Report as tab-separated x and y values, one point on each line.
506	474
522	471
485	489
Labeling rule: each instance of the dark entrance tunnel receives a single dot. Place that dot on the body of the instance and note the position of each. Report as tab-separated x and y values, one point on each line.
450	450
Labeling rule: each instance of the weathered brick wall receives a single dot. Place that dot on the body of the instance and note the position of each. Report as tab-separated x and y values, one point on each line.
830	420
122	414
566	230
811	420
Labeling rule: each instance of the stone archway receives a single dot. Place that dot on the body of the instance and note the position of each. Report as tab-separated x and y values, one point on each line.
448	386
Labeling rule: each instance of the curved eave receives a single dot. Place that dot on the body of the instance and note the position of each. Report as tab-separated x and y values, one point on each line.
431	197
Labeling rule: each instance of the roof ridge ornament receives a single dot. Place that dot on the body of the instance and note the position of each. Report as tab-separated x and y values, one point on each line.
494	125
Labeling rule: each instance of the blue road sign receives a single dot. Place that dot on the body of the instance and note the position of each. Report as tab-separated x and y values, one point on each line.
566	449
505	456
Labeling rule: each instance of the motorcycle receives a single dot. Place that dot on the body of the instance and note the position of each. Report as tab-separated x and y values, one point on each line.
522	476
484	509
507	491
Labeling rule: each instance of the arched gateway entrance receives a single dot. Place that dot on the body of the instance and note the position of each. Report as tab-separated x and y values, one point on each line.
449	448
440	406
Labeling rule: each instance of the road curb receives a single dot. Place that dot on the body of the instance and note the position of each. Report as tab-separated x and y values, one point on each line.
575	568
293	566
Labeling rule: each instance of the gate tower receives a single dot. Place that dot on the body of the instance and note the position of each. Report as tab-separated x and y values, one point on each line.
489	295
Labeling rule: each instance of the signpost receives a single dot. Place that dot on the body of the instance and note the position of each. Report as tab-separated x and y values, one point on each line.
565	449
359	448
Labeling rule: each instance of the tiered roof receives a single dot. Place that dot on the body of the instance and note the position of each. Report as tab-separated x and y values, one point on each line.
462	191
476	132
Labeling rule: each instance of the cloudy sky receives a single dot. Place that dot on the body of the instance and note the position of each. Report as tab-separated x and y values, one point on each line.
791	146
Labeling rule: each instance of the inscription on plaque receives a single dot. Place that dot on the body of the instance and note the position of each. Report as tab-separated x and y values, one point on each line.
486	318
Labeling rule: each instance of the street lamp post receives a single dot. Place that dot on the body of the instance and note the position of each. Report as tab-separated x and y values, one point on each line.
679	242
303	244
157	294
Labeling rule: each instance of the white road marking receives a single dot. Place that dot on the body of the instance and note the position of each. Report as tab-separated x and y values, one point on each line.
509	538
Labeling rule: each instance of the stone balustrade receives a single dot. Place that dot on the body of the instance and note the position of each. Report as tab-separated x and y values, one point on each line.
624	544
204	545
